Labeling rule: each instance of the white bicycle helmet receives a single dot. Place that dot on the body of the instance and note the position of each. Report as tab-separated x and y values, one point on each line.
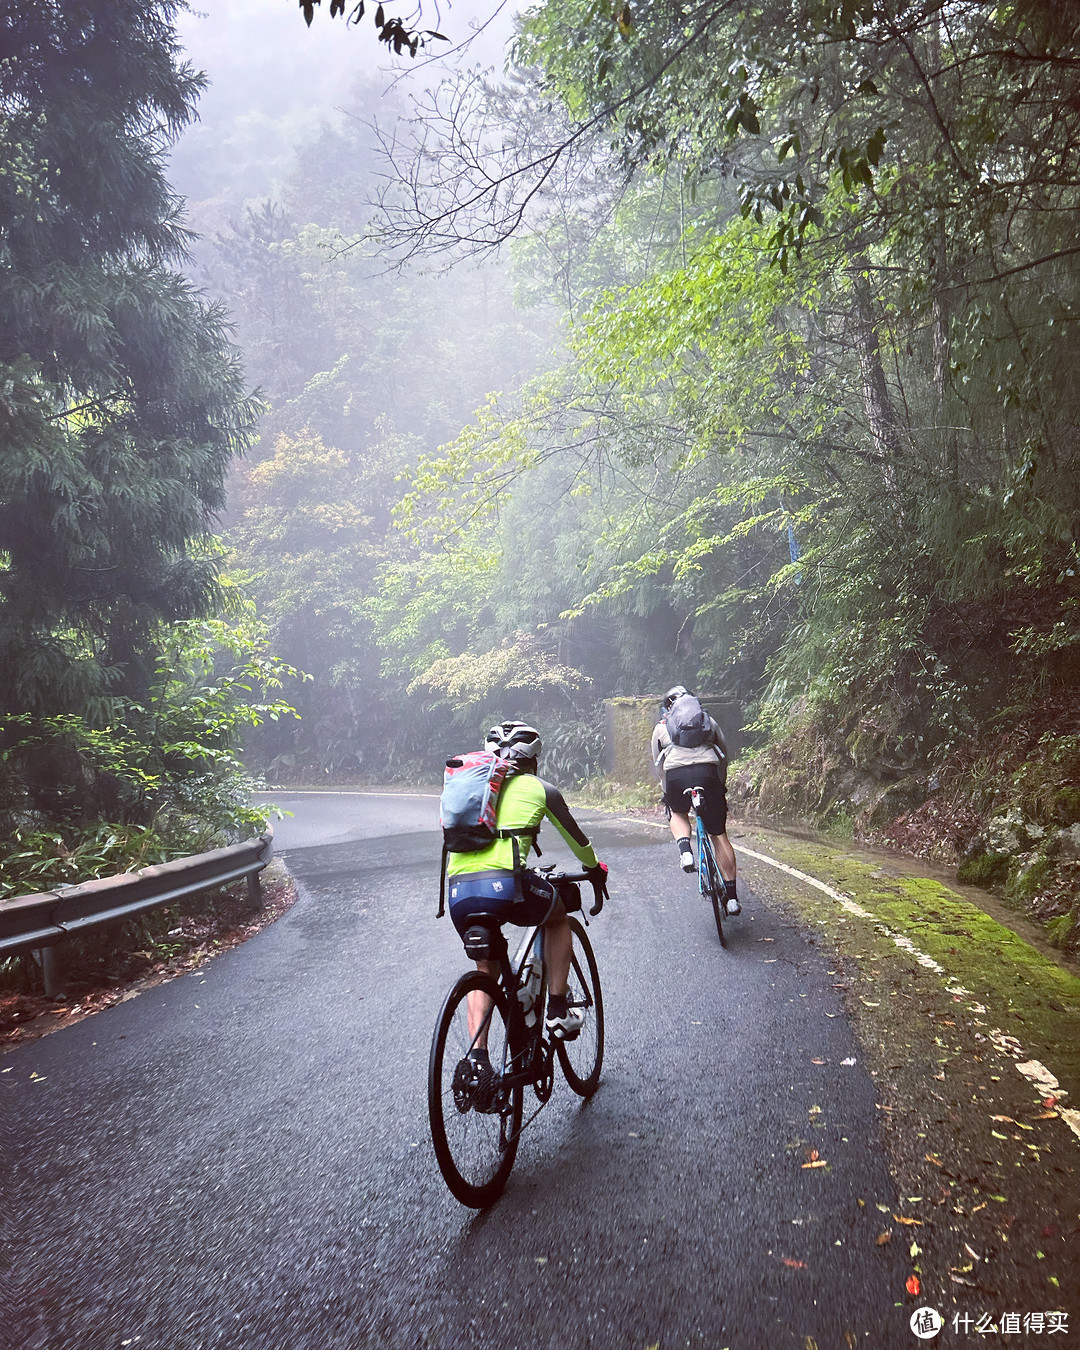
672	695
513	740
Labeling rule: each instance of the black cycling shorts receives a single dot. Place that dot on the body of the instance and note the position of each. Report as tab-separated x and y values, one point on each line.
495	893
677	784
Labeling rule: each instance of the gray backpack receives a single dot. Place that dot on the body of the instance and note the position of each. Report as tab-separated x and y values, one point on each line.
687	722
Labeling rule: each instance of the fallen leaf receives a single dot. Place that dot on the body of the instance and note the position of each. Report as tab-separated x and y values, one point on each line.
884	1237
541	1260
913	1286
972	1252
959	1279
820	1162
1045	1115
936	1161
795	1265
978	1207
910	1223
849	1061
1007	1119
817	1061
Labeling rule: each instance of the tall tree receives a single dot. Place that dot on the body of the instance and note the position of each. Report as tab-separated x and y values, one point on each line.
122	400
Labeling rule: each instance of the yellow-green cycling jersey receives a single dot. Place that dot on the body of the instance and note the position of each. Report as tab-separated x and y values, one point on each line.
524	803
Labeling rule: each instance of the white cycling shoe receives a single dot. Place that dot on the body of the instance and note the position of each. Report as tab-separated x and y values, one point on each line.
686	862
567	1026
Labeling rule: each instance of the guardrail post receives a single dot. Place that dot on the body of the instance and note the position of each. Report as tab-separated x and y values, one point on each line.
51	972
254	890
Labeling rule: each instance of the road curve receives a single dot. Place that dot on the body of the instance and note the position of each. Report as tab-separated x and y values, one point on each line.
240	1158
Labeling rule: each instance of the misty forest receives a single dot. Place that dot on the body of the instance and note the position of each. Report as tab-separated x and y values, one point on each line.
716	343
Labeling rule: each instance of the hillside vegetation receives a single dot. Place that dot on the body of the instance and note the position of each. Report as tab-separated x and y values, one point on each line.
718	343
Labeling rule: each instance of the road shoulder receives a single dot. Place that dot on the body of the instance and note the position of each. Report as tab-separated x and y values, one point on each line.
973	1038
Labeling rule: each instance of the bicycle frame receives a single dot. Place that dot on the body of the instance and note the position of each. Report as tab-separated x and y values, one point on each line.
710	878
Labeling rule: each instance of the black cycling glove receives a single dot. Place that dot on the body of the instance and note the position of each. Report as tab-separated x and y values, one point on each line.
598	877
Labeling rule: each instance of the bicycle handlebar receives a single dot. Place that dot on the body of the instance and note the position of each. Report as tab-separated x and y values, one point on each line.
589	874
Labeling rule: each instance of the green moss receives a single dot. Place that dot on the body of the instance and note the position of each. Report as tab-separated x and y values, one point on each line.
1025	882
1027	994
984	869
1060	929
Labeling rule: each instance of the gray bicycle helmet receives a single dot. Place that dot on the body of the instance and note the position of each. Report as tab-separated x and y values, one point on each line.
513	740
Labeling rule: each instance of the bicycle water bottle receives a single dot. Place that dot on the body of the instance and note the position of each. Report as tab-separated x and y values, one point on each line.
529	988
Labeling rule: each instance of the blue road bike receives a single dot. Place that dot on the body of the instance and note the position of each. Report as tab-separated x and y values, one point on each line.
710	881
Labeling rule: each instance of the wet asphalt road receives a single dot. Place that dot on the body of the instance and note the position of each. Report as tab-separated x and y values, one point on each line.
240	1158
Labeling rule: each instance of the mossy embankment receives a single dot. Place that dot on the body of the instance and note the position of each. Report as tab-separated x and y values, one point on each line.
1000	809
1029	993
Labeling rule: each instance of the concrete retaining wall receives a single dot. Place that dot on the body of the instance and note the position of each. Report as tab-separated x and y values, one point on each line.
628	724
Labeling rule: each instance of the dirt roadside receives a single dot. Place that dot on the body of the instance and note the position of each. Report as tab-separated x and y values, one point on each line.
972	1036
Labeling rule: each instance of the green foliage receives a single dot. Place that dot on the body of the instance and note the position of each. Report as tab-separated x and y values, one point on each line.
121	399
983	869
157	778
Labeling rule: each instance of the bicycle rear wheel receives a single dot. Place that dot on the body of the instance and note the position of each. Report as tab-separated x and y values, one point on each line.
475	1122
583	1058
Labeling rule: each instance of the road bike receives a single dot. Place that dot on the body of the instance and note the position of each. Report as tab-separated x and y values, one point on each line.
476	1114
710	881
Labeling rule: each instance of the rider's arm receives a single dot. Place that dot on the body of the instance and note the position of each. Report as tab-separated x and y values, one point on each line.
557	811
660	742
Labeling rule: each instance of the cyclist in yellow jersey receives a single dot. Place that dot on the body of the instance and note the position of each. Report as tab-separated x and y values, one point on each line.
495	880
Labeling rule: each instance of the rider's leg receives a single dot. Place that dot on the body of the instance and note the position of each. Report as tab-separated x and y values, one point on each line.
478	1004
680	832
680	825
725	856
563	1022
558	944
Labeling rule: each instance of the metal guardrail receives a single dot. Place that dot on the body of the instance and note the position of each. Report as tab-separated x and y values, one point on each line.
37	923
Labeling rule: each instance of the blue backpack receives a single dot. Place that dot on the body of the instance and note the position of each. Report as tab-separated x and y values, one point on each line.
469	808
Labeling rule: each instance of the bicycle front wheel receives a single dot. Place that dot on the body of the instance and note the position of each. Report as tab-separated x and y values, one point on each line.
583	1058
718	898
475	1121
